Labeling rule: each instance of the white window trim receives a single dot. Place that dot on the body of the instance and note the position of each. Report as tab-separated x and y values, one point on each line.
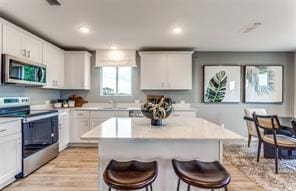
116	94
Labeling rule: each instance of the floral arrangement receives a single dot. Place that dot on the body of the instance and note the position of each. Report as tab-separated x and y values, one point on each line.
156	111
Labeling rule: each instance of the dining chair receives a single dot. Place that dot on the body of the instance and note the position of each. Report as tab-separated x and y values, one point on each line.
293	122
250	123
265	124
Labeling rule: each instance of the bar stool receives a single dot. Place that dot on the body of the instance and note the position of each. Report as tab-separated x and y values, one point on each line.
130	175
206	175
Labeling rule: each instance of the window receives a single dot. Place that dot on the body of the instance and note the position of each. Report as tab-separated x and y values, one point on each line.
116	81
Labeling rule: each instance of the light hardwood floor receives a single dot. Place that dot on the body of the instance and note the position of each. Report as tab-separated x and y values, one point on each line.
75	169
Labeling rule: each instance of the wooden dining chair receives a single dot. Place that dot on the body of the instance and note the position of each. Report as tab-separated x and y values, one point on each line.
252	132
277	141
293	122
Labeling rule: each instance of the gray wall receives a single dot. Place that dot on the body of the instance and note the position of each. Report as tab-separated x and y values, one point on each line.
229	114
37	95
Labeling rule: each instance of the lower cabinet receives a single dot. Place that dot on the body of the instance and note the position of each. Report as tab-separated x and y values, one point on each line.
83	121
64	131
10	152
98	117
79	126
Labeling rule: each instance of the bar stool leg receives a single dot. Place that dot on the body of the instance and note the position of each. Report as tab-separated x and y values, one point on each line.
178	187
226	189
109	189
276	160
188	187
151	189
147	188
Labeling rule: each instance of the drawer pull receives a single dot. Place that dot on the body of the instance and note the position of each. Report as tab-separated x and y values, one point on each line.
3	130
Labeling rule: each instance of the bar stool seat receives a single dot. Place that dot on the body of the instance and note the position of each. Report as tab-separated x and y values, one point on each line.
207	175
131	175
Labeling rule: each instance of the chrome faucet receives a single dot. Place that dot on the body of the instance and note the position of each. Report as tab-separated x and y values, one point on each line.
113	102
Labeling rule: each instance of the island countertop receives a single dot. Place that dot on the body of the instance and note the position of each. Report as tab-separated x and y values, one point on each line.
174	129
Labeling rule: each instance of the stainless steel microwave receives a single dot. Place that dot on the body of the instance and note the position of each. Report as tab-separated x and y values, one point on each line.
20	71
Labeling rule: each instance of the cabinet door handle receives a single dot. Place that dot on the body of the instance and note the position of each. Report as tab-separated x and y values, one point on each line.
3	130
24	52
28	52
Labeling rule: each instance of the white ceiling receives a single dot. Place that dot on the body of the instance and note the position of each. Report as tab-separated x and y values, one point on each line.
209	25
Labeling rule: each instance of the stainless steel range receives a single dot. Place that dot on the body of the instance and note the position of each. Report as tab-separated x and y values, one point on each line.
39	132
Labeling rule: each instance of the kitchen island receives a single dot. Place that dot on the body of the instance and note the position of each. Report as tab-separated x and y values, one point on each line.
135	139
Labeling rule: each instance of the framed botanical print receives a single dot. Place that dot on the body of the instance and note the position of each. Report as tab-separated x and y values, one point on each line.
264	84
222	84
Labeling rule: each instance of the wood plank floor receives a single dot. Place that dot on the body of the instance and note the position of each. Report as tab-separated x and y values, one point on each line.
75	169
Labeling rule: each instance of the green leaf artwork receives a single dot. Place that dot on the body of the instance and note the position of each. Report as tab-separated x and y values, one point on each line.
216	88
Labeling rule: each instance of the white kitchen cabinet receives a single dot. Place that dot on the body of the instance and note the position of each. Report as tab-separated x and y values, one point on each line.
53	58
179	71
34	49
166	70
98	117
77	70
152	70
79	126
20	44
64	131
10	151
14	41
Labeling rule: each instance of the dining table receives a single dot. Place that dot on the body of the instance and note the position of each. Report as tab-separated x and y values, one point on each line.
287	129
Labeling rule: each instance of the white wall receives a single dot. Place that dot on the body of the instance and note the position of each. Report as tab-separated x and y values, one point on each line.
295	84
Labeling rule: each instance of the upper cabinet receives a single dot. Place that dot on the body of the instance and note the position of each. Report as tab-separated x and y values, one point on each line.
77	70
13	41
166	70
20	44
53	58
34	49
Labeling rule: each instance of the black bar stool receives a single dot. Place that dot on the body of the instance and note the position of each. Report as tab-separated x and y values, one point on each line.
206	175
131	175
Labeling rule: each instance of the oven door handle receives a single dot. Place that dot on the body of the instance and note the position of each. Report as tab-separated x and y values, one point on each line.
39	117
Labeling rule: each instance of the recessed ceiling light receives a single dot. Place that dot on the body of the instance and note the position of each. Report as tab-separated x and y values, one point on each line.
114	47
84	30
177	30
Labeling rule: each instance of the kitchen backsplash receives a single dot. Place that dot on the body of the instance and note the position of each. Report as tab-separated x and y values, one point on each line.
37	95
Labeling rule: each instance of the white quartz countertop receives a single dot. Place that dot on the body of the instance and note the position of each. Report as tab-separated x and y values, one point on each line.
8	119
174	129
